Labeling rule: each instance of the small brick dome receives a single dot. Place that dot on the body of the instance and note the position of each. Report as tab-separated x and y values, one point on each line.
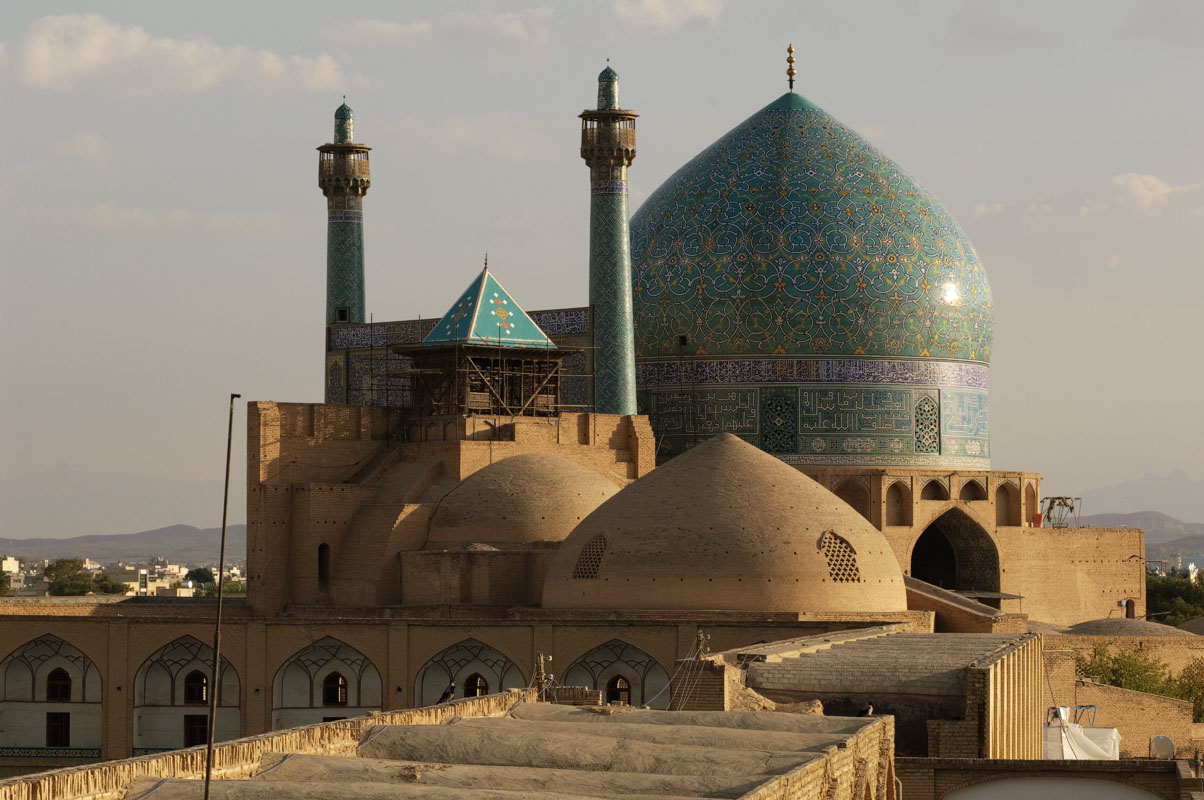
518	500
727	527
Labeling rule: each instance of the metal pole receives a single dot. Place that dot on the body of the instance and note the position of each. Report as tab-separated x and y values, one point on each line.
214	686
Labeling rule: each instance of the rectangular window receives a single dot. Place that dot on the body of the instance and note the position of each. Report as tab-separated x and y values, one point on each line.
196	729
332	719
58	729
342	314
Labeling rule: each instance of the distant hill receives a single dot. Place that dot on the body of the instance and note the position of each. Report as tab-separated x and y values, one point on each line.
1159	528
179	544
1175	494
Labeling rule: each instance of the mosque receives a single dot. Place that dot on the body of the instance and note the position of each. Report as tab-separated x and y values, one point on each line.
770	422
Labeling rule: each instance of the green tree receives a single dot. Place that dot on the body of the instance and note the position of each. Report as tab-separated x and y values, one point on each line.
229	587
103	584
1173	599
4	583
200	575
67	577
1190	686
1128	669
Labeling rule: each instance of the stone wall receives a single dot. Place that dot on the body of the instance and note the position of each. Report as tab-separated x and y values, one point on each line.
240	758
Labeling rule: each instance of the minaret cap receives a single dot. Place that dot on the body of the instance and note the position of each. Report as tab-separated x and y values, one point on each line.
608	88
343	123
790	71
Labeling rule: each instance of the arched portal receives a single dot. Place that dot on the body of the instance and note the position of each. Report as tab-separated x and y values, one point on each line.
955	552
171	698
50	698
327	680
468	662
623	672
856	495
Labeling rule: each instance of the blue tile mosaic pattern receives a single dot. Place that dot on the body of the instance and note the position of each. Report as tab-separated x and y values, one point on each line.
794	286
487	314
794	235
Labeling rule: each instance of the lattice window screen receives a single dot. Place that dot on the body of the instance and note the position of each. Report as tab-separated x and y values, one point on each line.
590	559
842	558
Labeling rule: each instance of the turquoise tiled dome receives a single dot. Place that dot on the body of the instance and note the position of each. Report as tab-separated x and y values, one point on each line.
795	287
793	234
343	112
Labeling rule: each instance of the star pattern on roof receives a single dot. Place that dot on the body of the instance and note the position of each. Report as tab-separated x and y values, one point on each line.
486	314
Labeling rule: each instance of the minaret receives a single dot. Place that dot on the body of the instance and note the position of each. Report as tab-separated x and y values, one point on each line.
344	178
608	147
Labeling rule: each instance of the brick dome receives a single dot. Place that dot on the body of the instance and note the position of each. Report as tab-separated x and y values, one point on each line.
726	526
518	500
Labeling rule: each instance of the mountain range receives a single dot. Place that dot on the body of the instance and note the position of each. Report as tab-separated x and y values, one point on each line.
179	544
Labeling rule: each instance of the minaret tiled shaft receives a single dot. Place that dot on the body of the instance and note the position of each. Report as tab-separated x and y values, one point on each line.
608	147
344	178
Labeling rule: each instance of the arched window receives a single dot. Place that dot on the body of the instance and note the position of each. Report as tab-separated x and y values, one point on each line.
196	688
618	690
898	504
856	495
475	686
334	689
934	490
972	491
1007	505
58	686
323	565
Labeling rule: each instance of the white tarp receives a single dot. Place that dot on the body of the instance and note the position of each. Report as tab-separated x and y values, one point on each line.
1063	739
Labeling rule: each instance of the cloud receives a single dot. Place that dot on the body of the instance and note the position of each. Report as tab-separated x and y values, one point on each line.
85	147
1091	207
1167	23
988	209
977	26
1148	191
530	26
498	134
666	15
380	30
111	218
62	52
1039	207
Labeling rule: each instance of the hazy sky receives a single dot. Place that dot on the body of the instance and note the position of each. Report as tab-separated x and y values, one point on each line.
164	236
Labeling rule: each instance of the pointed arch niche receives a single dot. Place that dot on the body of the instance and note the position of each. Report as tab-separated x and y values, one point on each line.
616	663
898	504
955	552
467	659
853	492
171	698
327	679
50	698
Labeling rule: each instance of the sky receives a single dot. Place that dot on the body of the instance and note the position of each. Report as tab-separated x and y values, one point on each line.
164	235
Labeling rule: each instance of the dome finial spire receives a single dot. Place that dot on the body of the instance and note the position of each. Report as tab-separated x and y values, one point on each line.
790	71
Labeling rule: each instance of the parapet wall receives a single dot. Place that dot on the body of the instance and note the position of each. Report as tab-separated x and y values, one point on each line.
240	758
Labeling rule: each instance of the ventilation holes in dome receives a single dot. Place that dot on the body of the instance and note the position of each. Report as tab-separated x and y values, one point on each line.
590	559
842	558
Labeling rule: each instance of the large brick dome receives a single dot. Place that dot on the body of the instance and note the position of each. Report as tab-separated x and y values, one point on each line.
795	286
518	500
726	527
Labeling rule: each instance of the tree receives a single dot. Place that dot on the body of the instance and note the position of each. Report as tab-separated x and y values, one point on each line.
229	587
103	584
4	583
1173	599
1190	686
200	575
1128	669
67	577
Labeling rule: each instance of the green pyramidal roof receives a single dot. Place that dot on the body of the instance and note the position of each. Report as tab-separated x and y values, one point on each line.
486	314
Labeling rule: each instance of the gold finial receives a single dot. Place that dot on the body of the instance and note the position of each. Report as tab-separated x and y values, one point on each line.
790	72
